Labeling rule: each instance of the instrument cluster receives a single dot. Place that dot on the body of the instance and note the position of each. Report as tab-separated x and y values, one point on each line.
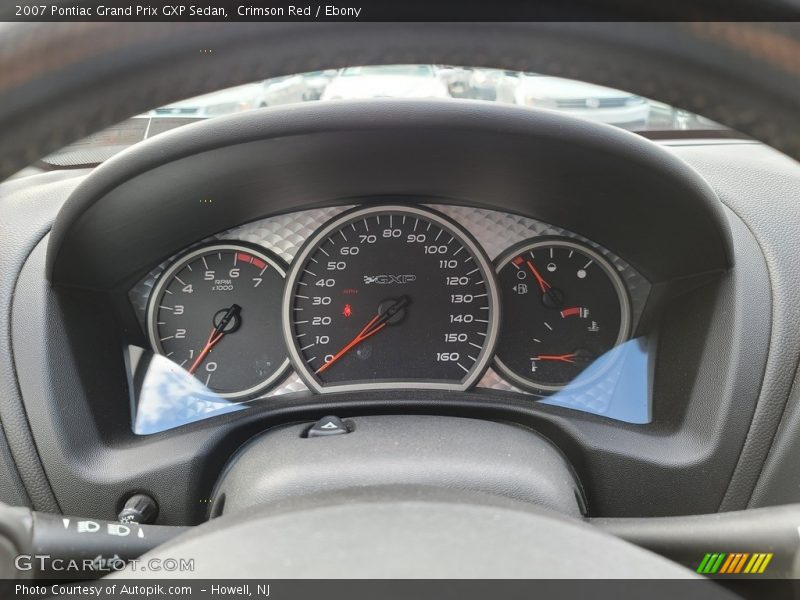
390	296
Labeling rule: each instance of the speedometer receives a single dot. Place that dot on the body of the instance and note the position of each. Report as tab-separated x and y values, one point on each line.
391	296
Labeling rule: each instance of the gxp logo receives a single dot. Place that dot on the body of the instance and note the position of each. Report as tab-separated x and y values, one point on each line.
389	279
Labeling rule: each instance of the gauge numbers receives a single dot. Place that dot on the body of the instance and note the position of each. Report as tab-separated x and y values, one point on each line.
564	306
391	297
216	313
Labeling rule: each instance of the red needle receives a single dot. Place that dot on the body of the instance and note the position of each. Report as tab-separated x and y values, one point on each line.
542	283
377	323
212	341
362	335
217	333
562	357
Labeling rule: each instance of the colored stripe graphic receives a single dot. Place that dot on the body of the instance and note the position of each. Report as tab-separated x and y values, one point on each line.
728	564
734	563
741	562
704	563
711	563
758	563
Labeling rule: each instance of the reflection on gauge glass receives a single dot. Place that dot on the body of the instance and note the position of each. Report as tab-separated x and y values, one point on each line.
215	312
391	296
564	306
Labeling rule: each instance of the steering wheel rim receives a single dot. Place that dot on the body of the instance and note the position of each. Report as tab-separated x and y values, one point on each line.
61	82
400	532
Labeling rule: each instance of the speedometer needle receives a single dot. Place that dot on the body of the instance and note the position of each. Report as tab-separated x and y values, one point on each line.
377	323
216	335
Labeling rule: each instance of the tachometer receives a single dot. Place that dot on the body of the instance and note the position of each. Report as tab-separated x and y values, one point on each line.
391	296
216	312
564	305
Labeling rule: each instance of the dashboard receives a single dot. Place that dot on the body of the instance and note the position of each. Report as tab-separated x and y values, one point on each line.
404	315
400	257
461	297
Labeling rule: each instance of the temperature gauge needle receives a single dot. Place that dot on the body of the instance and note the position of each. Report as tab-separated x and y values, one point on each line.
216	335
377	323
568	358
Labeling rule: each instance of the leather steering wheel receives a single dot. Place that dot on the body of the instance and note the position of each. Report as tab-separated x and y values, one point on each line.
61	82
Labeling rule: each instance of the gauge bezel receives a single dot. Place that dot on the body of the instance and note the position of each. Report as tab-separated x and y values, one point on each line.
176	264
464	237
605	264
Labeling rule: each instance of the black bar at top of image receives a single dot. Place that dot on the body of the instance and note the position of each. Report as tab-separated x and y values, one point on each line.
399	10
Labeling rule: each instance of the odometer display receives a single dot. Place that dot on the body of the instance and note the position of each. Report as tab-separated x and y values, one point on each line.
391	296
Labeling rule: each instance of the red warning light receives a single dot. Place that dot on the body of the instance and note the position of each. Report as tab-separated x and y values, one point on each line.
348	311
518	261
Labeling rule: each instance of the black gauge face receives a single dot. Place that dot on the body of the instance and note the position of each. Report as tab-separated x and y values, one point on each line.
564	306
391	296
216	313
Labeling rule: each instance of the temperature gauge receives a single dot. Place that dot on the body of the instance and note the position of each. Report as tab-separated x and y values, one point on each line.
564	306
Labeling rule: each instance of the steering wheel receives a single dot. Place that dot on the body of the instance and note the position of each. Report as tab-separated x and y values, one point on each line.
59	83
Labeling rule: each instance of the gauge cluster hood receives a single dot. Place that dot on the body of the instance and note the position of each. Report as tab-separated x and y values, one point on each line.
605	184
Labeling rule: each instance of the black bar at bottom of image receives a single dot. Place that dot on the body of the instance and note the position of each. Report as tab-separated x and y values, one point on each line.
388	589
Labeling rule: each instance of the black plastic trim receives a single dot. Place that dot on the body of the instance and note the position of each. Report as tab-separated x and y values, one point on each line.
680	464
611	186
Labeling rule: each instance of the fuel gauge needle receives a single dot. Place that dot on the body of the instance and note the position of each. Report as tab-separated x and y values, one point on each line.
540	280
217	333
377	323
554	297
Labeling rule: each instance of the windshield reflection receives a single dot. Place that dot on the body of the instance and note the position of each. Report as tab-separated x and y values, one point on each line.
615	386
526	90
532	90
168	397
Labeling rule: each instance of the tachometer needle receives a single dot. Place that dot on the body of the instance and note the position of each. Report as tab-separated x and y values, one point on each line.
377	323
216	335
568	358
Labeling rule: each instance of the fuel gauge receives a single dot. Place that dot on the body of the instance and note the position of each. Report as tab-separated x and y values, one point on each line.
564	306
